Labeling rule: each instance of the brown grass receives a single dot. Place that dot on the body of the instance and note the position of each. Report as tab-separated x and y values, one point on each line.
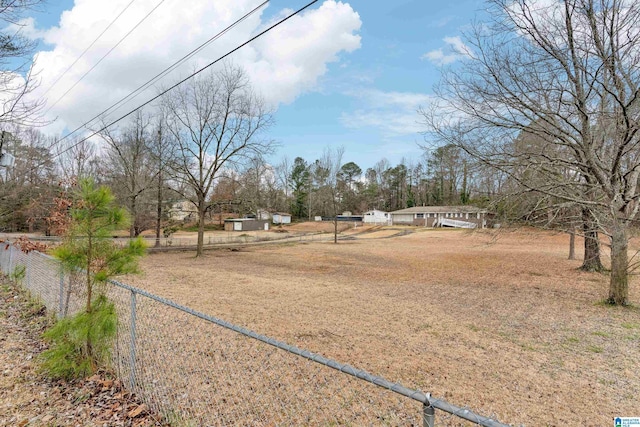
502	323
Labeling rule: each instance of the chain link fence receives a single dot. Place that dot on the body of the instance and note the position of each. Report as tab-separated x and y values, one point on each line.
229	238
196	370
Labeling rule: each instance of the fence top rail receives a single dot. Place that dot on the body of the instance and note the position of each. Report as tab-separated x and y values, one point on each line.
419	396
424	398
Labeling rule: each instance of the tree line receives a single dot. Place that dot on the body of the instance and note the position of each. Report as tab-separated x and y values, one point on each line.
149	164
539	123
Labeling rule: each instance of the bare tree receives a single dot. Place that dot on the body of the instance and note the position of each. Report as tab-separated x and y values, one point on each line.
76	158
331	163
131	167
28	185
283	174
253	181
163	155
216	121
568	72
17	80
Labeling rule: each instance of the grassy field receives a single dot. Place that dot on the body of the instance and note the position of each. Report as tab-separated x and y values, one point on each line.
500	322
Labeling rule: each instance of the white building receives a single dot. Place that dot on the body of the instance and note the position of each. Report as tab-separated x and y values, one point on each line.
281	218
376	217
183	209
441	216
263	214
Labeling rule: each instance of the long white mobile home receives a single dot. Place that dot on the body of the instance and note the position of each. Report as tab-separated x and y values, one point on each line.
376	216
441	216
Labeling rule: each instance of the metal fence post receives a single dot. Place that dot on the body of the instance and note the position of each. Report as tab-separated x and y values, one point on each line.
9	270
61	303
132	354
428	414
28	270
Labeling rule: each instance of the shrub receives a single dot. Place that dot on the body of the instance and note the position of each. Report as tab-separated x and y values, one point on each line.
79	344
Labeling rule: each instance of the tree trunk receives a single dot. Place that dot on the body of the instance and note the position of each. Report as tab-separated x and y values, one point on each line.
572	244
89	276
201	214
132	227
160	169
159	211
335	229
619	285
592	260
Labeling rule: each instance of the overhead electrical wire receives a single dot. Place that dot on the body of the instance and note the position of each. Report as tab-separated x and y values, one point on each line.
220	58
88	47
176	64
105	55
163	73
154	79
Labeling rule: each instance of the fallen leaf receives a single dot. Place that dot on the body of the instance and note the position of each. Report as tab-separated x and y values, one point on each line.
137	411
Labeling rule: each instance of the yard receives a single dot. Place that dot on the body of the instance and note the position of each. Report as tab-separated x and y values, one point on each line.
500	322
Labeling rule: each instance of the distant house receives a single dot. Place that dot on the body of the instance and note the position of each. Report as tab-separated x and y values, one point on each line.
245	224
183	210
441	216
376	217
345	217
281	218
263	214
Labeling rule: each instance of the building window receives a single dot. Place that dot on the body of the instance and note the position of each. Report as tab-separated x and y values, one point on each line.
419	215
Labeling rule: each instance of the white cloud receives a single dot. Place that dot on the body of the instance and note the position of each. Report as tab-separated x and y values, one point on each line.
393	113
12	84
455	49
282	64
26	27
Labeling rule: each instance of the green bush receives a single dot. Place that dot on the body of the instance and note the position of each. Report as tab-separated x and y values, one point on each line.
80	343
18	273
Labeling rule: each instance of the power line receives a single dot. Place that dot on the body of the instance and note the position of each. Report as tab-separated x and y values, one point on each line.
176	64
204	68
162	73
88	47
260	34
105	55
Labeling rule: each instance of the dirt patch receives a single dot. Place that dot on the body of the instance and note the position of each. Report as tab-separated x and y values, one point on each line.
318	227
501	323
29	399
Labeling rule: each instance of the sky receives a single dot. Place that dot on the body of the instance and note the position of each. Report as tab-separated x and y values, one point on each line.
350	73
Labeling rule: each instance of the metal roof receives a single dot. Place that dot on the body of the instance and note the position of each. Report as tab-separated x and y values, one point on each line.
440	209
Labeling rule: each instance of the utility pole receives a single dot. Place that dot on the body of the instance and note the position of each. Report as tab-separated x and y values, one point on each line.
6	160
160	169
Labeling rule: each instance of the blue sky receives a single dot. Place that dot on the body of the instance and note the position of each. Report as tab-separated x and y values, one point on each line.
362	95
395	37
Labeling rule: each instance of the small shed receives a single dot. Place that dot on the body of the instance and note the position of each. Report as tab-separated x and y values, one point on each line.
376	216
281	218
263	214
245	224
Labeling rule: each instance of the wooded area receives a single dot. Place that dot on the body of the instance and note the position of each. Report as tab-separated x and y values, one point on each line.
538	124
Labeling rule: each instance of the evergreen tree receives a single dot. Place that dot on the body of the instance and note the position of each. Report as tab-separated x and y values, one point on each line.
80	343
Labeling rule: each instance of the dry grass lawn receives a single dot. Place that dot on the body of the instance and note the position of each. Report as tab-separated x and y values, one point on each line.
502	323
